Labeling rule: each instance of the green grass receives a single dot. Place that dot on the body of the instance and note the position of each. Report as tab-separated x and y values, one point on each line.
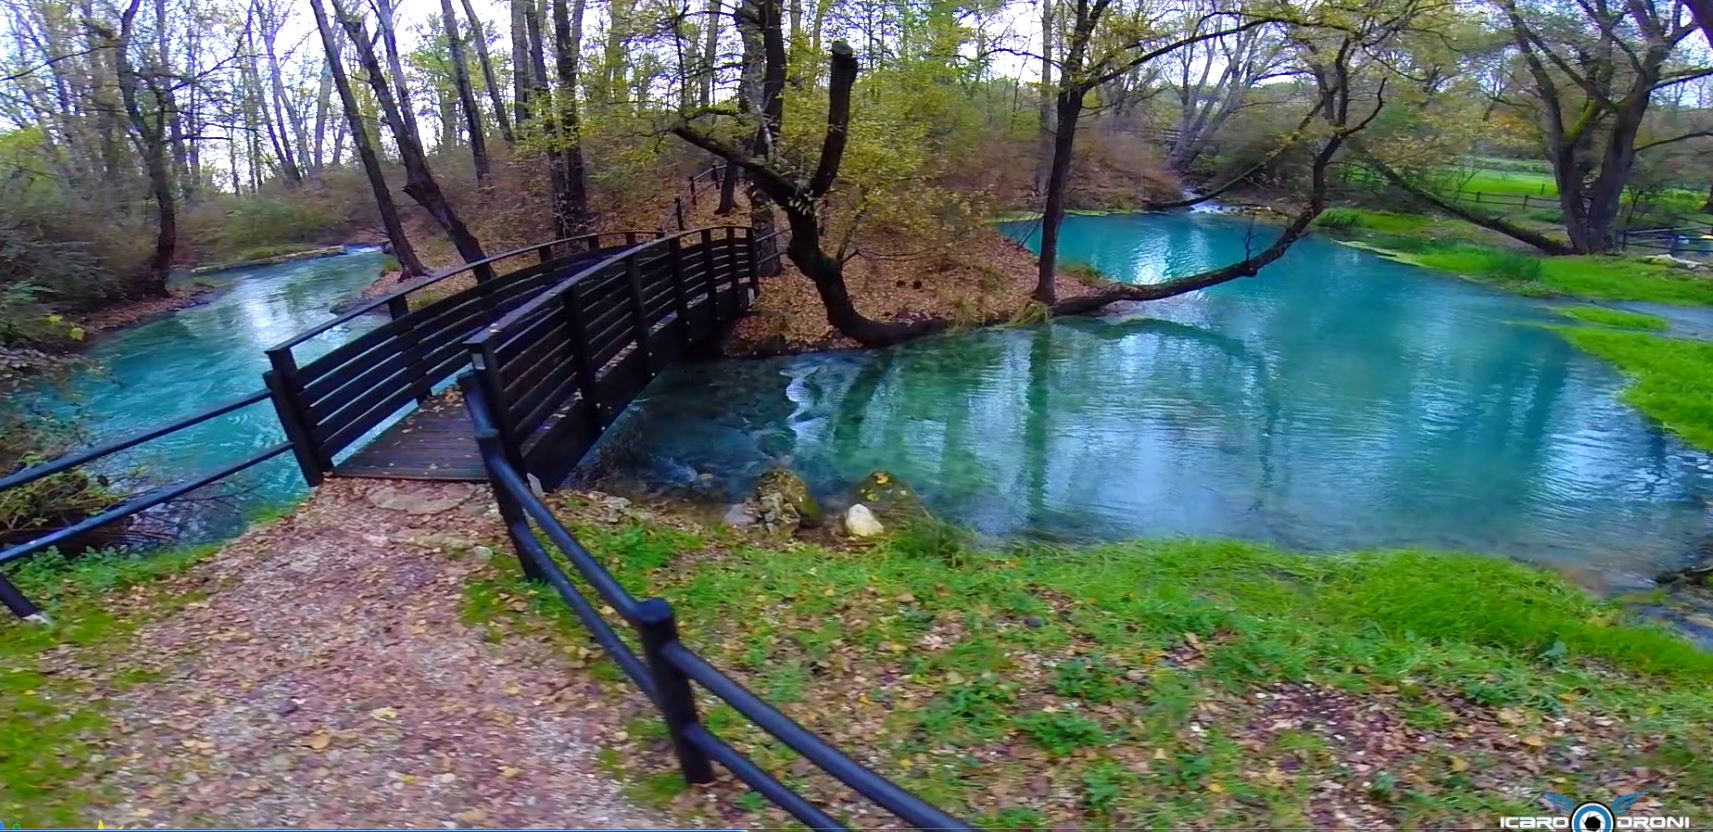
52	722
969	673
1593	277
1673	378
1615	318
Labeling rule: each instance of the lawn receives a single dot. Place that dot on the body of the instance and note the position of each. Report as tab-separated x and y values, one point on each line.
52	725
1158	684
1673	378
1615	318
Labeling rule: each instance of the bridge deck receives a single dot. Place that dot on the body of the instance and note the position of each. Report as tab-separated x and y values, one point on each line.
436	442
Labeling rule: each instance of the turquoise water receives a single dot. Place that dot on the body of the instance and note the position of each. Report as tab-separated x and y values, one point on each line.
151	374
1338	400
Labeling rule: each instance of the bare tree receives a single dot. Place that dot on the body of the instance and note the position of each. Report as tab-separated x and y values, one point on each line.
149	123
466	95
571	197
479	34
420	184
402	249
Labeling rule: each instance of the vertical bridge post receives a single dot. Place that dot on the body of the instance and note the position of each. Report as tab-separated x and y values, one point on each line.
288	404
658	627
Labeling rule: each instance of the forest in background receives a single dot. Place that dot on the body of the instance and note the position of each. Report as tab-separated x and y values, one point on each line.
144	136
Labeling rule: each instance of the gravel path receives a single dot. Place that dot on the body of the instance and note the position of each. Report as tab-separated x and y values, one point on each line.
326	680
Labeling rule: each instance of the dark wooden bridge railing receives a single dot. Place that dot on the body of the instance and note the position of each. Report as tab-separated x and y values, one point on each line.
22	606
331	401
668	670
559	368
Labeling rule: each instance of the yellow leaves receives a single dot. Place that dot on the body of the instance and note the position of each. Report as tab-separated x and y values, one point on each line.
1534	741
384	714
319	741
1511	716
1459	765
510	772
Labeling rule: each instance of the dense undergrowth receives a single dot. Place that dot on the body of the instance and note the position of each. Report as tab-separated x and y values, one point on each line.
1159	682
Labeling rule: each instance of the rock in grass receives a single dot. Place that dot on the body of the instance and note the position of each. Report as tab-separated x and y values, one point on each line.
862	523
785	502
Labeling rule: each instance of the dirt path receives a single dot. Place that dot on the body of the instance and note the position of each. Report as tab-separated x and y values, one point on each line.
328	681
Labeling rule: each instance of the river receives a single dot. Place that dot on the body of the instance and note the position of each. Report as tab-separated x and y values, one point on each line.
1339	400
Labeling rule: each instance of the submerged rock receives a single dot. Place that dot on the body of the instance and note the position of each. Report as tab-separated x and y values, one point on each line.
889	498
785	502
1701	573
741	515
862	523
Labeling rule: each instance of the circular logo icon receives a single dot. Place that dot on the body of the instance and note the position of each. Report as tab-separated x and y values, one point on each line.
1592	817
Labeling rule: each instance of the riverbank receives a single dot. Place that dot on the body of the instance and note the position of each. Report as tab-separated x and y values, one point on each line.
1142	683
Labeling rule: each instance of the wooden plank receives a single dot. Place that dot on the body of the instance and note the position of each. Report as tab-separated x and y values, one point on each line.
436	442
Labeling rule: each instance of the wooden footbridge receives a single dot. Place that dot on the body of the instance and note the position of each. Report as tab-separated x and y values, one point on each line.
547	354
566	340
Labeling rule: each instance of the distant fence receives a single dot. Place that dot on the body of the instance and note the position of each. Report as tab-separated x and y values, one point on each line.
668	670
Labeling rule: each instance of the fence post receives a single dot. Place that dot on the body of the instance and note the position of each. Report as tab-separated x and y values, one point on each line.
19	605
410	346
488	443
678	211
680	297
658	627
692	195
639	314
709	277
288	405
572	307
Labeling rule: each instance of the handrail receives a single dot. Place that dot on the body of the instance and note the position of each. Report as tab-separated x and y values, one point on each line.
22	606
72	460
382	300
547	296
669	666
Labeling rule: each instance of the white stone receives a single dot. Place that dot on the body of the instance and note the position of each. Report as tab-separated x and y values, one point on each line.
861	522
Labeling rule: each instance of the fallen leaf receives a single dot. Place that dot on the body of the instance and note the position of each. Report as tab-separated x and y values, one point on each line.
320	740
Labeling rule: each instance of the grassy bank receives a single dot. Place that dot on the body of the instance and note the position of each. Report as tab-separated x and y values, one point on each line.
1166	683
1457	247
1615	318
52	719
1673	377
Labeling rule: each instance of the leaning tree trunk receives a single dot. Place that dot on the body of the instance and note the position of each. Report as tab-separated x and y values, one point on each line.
466	95
389	40
402	250
420	184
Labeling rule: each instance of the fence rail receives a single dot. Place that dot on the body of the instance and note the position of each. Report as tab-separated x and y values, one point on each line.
668	670
332	401
22	606
559	367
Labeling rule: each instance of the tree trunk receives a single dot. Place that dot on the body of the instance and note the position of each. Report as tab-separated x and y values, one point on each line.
419	180
1070	108
479	34
1703	11
276	88
402	249
571	201
324	108
520	60
151	137
466	95
710	53
389	40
